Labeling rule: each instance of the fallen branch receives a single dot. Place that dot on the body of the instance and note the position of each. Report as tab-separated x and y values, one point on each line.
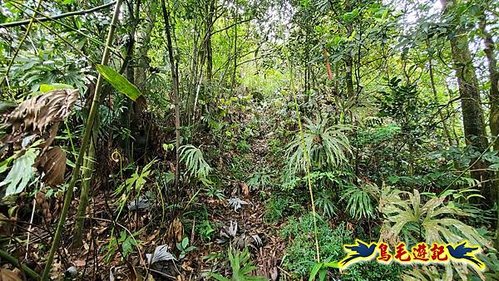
51	18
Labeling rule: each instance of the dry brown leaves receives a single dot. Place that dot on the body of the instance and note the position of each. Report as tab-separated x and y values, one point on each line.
53	164
176	230
38	118
10	275
244	189
37	113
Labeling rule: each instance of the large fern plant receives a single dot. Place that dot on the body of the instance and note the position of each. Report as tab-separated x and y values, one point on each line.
408	217
327	146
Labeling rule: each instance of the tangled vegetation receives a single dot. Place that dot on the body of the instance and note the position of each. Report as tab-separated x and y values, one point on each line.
247	140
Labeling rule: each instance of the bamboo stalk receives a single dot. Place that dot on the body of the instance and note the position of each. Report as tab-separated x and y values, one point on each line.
30	272
84	146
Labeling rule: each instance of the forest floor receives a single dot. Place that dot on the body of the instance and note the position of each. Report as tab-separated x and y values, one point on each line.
248	224
243	227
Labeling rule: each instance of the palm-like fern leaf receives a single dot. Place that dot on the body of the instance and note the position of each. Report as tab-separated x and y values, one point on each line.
193	159
435	220
327	146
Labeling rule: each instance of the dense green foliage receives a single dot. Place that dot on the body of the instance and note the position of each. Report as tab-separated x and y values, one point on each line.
246	140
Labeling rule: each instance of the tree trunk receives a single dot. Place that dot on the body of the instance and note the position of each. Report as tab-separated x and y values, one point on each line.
494	106
210	10
175	89
348	57
473	121
435	94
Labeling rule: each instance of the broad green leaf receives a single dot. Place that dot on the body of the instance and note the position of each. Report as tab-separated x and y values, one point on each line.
314	271
21	173
45	88
332	264
119	82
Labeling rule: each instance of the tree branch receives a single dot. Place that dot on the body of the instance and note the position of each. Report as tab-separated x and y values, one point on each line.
50	18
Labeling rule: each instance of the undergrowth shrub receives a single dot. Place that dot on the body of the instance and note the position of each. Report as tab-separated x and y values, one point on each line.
280	206
299	257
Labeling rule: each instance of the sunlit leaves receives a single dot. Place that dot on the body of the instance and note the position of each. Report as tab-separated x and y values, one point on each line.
45	88
434	220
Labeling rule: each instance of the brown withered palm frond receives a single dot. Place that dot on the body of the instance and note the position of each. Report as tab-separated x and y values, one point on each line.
37	119
38	115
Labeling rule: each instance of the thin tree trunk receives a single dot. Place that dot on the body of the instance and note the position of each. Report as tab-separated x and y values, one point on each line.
175	90
88	169
129	71
494	106
234	71
348	58
435	94
348	74
210	10
453	124
143	47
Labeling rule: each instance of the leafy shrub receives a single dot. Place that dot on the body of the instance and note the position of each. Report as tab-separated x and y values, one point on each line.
279	206
375	136
205	230
325	203
193	159
373	271
300	254
359	201
434	220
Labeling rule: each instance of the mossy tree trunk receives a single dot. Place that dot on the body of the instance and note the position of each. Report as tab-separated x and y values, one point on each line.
472	113
494	104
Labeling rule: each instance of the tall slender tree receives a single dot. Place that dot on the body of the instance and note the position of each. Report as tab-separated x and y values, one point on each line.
471	106
494	102
175	86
